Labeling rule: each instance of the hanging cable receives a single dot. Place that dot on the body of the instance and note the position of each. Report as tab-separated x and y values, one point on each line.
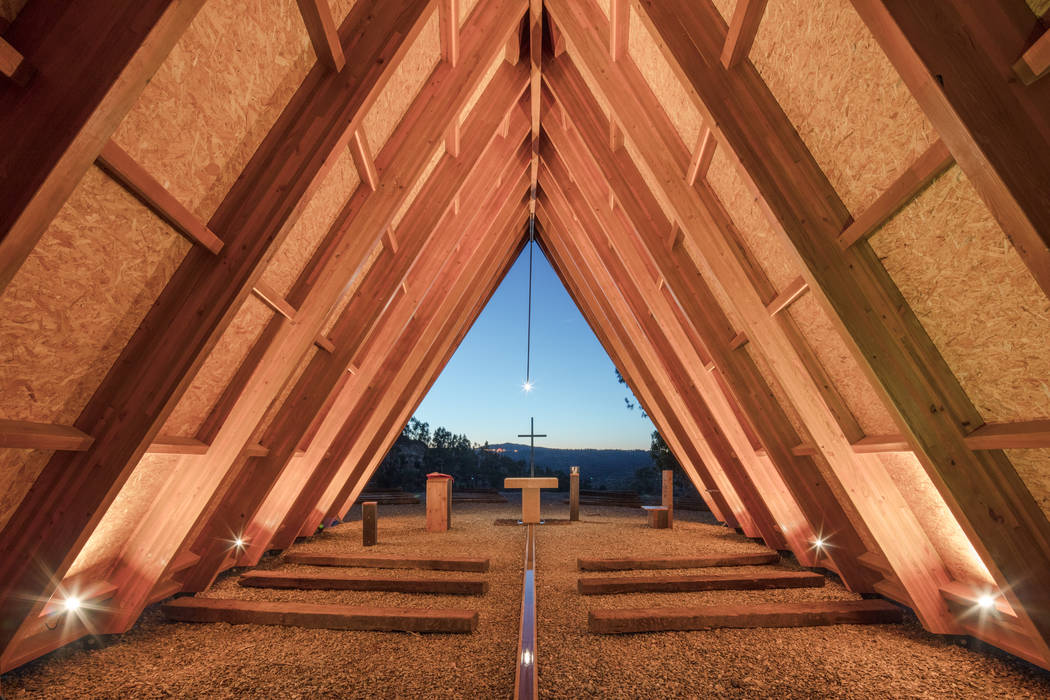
528	325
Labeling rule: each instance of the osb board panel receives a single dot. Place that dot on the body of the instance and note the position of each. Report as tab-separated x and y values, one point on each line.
974	296
9	9
775	255
842	94
127	510
663	81
410	198
310	229
78	298
1039	7
830	478
404	85
275	406
465	8
937	521
351	289
216	96
340	9
1034	468
220	366
837	360
480	89
18	470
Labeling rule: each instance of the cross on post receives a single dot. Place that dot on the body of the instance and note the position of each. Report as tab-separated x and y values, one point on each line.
532	445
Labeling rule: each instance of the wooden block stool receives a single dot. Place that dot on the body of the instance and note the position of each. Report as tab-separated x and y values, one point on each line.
368	523
658	516
439	502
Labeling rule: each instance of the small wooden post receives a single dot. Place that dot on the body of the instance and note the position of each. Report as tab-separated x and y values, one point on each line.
439	502
668	495
369	518
574	493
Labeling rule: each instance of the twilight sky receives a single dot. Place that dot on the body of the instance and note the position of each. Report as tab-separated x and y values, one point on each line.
576	400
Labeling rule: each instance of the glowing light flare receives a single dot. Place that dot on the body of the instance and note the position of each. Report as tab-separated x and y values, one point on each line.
526	657
986	602
527	386
238	542
71	604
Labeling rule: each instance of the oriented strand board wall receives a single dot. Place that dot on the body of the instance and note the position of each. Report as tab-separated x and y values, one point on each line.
404	85
314	224
940	526
1039	7
668	88
216	96
219	367
18	471
139	492
340	9
842	94
78	298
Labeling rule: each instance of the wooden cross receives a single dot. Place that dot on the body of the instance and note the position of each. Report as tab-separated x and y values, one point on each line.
532	445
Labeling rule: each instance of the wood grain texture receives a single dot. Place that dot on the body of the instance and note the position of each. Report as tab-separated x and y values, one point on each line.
337	582
389	561
703	582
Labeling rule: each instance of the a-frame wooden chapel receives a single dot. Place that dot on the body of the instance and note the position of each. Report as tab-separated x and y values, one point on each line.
240	239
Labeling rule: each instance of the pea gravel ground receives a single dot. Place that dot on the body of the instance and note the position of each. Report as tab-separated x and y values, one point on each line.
162	659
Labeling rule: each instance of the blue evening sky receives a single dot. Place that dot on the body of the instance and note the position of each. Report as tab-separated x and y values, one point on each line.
576	400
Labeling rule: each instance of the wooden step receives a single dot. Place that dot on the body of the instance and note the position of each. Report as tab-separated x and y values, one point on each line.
596	585
837	612
307	581
335	617
676	562
389	561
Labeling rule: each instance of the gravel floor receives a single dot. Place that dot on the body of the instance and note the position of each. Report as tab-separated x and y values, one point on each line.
161	659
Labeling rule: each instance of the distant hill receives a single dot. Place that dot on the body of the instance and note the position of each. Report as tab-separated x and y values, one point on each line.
607	467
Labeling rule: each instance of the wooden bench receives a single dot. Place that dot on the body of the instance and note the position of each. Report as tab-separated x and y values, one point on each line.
325	581
596	585
677	562
659	516
333	617
389	561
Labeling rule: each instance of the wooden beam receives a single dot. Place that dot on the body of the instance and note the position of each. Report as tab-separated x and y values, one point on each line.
13	64
335	617
185	321
702	155
176	445
1012	535
299	580
324	343
619	26
320	25
269	296
52	128
811	614
536	62
1021	435
952	56
1035	62
363	160
934	161
135	179
704	562
452	139
389	561
738	341
448	20
26	435
877	444
698	582
615	136
788	296
742	31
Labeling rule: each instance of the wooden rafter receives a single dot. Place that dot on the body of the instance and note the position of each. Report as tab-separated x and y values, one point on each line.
1034	62
13	64
910	371
702	155
619	26
363	160
742	30
52	128
320	25
448	19
190	314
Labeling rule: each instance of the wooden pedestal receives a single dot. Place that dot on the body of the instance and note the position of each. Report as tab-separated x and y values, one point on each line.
659	517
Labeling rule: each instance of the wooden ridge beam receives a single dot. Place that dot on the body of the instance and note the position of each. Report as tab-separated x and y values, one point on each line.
52	128
320	25
803	477
1034	62
955	58
917	177
1002	520
115	161
27	435
742	30
199	301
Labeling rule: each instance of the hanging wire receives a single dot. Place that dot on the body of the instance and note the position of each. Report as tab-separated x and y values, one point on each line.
528	326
